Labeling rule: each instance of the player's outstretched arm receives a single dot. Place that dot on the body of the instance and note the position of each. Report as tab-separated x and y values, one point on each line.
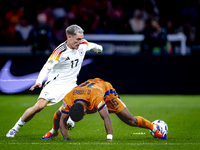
93	46
107	122
63	127
37	85
96	51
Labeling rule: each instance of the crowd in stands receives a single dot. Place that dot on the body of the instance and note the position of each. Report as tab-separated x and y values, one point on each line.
24	22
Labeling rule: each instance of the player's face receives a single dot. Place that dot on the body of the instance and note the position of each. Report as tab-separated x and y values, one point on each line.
74	41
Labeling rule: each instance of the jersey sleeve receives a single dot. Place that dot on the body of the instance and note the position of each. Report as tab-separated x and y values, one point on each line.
93	46
65	108
99	103
51	62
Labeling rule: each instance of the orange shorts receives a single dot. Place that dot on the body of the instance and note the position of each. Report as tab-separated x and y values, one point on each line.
114	103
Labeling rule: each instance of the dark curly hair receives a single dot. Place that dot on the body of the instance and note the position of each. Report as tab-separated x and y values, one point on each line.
76	112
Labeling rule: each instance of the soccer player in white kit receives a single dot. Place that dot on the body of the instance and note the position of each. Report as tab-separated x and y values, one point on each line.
62	68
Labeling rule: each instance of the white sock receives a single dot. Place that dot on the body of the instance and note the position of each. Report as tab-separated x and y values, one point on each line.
19	124
154	128
53	131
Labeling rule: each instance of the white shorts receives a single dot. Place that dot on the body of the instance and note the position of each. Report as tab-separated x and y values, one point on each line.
55	92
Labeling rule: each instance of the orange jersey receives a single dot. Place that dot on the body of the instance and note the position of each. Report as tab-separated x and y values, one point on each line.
97	94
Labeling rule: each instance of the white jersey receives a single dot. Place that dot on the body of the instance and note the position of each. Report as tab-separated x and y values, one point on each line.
64	64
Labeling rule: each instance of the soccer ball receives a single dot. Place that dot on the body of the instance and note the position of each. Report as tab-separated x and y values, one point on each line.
70	124
163	127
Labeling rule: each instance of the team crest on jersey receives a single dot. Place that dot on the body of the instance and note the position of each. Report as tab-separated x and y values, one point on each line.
80	52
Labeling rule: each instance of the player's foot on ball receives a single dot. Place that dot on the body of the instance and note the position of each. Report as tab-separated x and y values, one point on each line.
159	134
49	135
164	137
11	133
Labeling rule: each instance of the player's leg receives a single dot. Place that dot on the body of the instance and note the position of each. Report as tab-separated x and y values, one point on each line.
127	117
139	121
58	95
56	120
30	112
142	122
54	131
28	115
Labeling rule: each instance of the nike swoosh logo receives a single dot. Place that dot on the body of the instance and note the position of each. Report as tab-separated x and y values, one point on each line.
10	84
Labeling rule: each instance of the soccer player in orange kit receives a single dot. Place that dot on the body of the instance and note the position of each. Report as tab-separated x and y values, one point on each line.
98	95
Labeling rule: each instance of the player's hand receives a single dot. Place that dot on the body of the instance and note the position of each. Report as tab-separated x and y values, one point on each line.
96	51
109	140
37	85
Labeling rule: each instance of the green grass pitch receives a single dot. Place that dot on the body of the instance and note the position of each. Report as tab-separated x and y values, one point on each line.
180	112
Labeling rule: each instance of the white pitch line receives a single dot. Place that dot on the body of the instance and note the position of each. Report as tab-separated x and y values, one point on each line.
111	143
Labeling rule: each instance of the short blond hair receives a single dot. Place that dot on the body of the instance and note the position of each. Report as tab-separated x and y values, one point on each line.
73	29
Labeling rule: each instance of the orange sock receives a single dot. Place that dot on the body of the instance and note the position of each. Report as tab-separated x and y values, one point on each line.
56	120
143	123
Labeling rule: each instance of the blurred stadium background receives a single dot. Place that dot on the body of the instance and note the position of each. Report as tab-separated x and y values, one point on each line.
140	57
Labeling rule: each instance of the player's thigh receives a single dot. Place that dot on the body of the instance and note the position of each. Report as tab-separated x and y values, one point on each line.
115	104
41	103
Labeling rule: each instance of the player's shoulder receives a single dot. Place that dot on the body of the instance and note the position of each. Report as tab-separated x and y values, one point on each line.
56	54
85	42
62	47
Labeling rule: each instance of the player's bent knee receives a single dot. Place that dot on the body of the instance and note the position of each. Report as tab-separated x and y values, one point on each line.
37	108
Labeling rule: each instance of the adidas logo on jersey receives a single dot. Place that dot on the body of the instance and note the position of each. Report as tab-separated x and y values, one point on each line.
67	58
